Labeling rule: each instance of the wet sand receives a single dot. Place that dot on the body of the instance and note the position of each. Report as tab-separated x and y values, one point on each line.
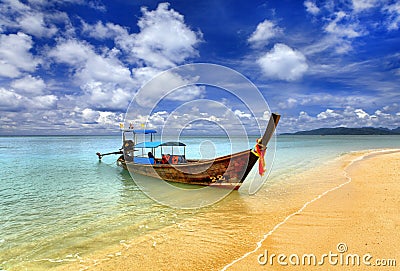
353	201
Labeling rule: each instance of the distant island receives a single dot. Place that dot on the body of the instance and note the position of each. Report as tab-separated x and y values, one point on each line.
349	131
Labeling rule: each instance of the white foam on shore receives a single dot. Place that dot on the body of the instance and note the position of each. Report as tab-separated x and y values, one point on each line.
348	180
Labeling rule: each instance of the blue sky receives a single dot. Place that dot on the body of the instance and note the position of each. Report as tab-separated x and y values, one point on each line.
73	66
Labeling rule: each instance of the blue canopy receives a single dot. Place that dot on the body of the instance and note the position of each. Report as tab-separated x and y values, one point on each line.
145	131
156	144
141	131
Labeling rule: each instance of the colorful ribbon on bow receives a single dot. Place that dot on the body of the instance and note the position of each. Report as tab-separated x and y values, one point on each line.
260	152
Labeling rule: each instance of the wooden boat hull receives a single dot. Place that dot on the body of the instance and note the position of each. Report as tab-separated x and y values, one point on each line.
225	172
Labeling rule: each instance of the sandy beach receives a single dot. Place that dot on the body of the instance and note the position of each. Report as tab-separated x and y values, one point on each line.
345	213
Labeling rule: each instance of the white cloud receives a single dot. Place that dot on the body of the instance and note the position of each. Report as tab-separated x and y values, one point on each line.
242	114
264	32
380	113
104	69
34	24
283	63
393	12
72	52
361	113
186	93
311	7
9	100
15	6
108	118
88	65
361	5
328	113
27	18
303	116
12	101
342	29
29	85
89	114
104	31
105	81
144	74
164	39
348	30
328	100
15	56
97	5
106	95
42	102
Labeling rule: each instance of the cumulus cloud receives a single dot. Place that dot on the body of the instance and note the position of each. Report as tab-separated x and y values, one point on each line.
328	113
242	114
106	95
164	39
72	52
102	79
103	31
106	82
311	7
283	63
13	101
89	114
34	24
42	102
104	69
29	85
10	101
264	32
15	55
144	74
361	5
361	113
28	19
88	65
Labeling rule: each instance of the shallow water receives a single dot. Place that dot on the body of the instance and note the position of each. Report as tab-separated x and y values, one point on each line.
57	202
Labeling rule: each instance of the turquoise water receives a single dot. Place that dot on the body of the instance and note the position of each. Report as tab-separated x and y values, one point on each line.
58	201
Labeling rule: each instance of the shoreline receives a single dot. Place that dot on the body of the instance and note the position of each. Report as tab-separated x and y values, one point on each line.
216	237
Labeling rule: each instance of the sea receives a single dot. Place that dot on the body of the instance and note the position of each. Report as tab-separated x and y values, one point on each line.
58	202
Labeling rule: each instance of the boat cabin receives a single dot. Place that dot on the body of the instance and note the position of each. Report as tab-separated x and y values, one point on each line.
151	152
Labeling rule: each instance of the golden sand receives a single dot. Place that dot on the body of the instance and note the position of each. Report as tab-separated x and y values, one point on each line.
342	204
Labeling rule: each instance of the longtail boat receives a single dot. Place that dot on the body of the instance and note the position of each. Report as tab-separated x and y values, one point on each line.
227	171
